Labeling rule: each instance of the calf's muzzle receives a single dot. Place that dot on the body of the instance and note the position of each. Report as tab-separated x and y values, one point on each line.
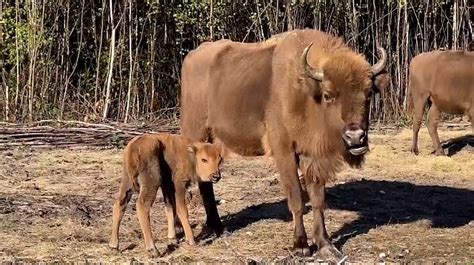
216	177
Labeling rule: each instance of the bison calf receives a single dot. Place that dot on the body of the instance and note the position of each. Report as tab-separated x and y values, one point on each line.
170	162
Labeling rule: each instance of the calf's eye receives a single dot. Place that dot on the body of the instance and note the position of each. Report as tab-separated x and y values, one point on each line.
204	160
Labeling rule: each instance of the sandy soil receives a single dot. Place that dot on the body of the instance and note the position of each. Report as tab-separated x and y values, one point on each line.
56	206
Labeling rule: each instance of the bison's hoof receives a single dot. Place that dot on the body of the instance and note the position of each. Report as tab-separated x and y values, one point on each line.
179	229
331	254
208	231
301	250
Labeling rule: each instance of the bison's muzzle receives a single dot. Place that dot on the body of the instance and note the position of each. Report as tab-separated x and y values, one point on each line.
356	141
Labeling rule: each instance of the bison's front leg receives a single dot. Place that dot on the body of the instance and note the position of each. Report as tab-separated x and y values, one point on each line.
320	237
213	221
287	168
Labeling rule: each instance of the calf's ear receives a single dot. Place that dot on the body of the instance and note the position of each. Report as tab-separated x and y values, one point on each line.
192	149
381	82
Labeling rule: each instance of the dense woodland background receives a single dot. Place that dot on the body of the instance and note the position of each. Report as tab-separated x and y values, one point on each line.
120	60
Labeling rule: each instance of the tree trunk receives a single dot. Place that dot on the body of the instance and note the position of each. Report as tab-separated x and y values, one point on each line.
97	73
455	24
111	61
130	58
17	48
211	27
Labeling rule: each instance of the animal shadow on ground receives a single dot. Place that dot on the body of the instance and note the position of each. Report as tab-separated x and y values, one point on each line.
457	144
377	203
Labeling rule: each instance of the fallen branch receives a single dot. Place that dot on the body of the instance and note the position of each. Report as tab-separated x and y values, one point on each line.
74	134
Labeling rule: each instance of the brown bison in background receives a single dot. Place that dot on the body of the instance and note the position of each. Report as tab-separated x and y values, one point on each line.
446	78
303	93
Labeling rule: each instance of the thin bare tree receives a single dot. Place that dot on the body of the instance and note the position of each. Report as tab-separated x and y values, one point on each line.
111	59
130	58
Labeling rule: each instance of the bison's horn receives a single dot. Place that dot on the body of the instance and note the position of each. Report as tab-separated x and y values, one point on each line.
380	65
310	71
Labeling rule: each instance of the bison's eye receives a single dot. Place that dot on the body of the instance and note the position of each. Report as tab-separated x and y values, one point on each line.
204	160
328	98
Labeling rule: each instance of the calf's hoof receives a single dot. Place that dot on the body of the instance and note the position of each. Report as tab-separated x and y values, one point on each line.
192	242
331	254
154	253
114	246
414	150
439	152
173	241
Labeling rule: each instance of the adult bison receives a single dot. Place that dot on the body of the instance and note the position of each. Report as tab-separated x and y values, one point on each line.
446	78
304	93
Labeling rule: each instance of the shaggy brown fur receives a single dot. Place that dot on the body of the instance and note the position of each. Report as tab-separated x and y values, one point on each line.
446	79
170	162
259	97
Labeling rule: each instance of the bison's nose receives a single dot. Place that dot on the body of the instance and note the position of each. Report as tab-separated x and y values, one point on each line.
354	137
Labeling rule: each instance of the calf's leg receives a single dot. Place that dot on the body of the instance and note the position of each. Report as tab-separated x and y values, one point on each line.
182	212
170	206
144	202
123	197
433	120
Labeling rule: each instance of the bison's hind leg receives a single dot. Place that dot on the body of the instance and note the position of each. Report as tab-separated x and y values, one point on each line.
471	117
433	121
419	101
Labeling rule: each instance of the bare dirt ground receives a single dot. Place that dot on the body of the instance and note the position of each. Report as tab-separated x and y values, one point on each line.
57	205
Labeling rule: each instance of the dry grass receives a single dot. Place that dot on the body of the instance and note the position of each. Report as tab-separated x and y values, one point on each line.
56	205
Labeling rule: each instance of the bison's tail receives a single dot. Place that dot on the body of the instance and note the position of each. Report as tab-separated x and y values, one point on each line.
410	104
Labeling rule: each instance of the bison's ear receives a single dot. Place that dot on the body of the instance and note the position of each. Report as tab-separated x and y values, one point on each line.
311	87
381	82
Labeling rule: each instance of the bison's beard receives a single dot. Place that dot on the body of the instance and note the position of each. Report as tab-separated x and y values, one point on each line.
355	161
321	169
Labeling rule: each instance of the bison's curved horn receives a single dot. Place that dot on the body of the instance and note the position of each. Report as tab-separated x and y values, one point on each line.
380	65
310	71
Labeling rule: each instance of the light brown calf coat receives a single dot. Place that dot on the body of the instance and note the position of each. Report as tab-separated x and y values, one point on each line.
446	79
170	162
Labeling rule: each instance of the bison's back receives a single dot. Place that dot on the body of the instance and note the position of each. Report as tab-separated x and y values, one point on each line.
224	90
448	78
195	79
